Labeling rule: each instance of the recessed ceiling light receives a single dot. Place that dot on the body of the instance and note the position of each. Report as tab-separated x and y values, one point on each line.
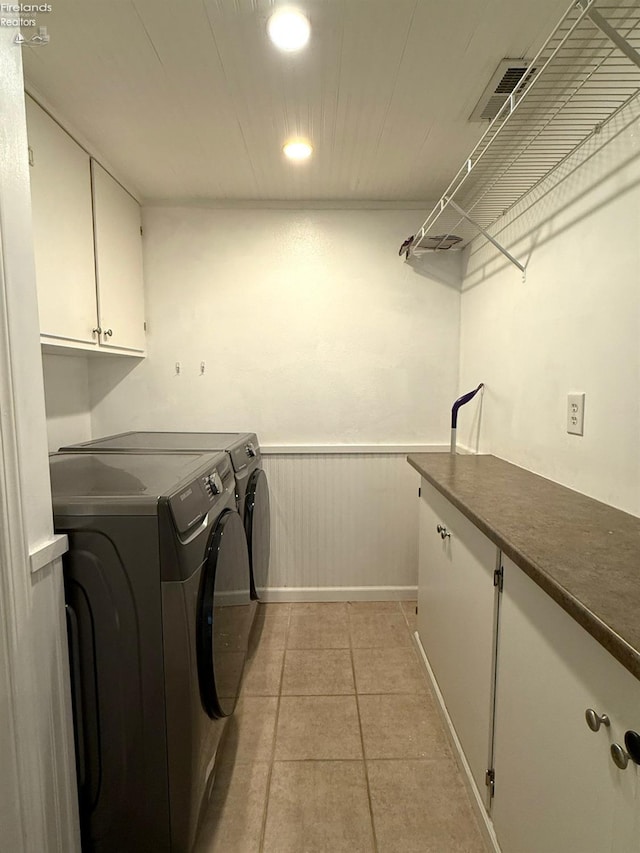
289	29
298	150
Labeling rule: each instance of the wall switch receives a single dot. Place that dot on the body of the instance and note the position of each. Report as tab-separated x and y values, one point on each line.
575	414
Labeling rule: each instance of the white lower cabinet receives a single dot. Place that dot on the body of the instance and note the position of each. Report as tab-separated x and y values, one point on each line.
557	789
517	674
456	621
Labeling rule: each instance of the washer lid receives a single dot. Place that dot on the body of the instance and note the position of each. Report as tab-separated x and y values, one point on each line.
90	479
200	441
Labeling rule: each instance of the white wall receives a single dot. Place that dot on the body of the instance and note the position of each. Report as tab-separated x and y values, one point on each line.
312	329
314	332
67	399
573	326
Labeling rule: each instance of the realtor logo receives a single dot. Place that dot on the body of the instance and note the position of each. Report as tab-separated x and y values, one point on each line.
42	37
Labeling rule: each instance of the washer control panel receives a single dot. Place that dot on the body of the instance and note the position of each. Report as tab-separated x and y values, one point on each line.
213	484
197	498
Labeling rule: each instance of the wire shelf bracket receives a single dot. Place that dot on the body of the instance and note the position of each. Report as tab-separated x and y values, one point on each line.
587	70
613	35
491	239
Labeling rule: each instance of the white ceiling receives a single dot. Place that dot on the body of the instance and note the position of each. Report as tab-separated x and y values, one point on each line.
189	100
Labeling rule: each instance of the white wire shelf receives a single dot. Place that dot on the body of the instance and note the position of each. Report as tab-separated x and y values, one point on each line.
586	72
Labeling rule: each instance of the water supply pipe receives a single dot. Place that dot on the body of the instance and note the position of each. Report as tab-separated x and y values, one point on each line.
454	413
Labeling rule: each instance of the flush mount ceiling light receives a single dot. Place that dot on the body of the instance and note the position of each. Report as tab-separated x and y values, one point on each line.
298	149
289	29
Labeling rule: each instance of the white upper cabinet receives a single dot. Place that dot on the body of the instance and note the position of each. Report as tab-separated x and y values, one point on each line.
87	245
62	231
118	263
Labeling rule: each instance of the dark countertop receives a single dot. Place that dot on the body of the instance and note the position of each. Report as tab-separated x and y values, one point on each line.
583	553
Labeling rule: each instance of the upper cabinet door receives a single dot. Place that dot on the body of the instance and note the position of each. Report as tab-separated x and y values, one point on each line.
62	230
118	248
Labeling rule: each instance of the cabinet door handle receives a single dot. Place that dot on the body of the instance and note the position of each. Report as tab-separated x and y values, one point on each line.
97	331
595	720
108	332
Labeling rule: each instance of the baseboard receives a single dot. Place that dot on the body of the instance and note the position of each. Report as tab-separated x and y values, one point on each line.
484	821
349	449
339	593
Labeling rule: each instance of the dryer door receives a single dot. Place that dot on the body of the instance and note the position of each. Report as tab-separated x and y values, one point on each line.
224	616
257	526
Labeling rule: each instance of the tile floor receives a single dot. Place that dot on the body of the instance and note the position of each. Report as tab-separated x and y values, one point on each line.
336	744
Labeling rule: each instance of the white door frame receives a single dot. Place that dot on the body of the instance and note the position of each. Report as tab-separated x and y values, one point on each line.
38	800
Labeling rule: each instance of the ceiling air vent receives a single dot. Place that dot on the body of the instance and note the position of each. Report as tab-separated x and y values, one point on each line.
510	75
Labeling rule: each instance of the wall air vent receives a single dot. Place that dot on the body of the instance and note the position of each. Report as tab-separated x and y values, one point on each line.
510	75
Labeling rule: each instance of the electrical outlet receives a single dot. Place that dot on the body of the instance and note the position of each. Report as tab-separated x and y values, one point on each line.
575	414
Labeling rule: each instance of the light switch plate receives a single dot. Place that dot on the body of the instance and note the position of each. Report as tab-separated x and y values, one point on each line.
575	414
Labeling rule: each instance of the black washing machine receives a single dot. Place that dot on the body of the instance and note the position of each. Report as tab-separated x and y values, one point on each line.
251	480
159	614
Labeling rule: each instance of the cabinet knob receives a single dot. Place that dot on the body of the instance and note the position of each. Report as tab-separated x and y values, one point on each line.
108	332
594	720
442	530
97	331
620	756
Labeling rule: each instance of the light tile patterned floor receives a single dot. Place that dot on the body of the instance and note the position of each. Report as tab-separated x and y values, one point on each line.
336	744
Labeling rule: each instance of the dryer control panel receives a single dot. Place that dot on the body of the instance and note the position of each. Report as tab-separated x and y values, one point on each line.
245	453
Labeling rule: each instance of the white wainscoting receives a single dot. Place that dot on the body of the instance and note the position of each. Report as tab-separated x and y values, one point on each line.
344	525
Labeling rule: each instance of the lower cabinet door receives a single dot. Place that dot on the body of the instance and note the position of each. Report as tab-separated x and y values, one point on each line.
456	620
557	789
